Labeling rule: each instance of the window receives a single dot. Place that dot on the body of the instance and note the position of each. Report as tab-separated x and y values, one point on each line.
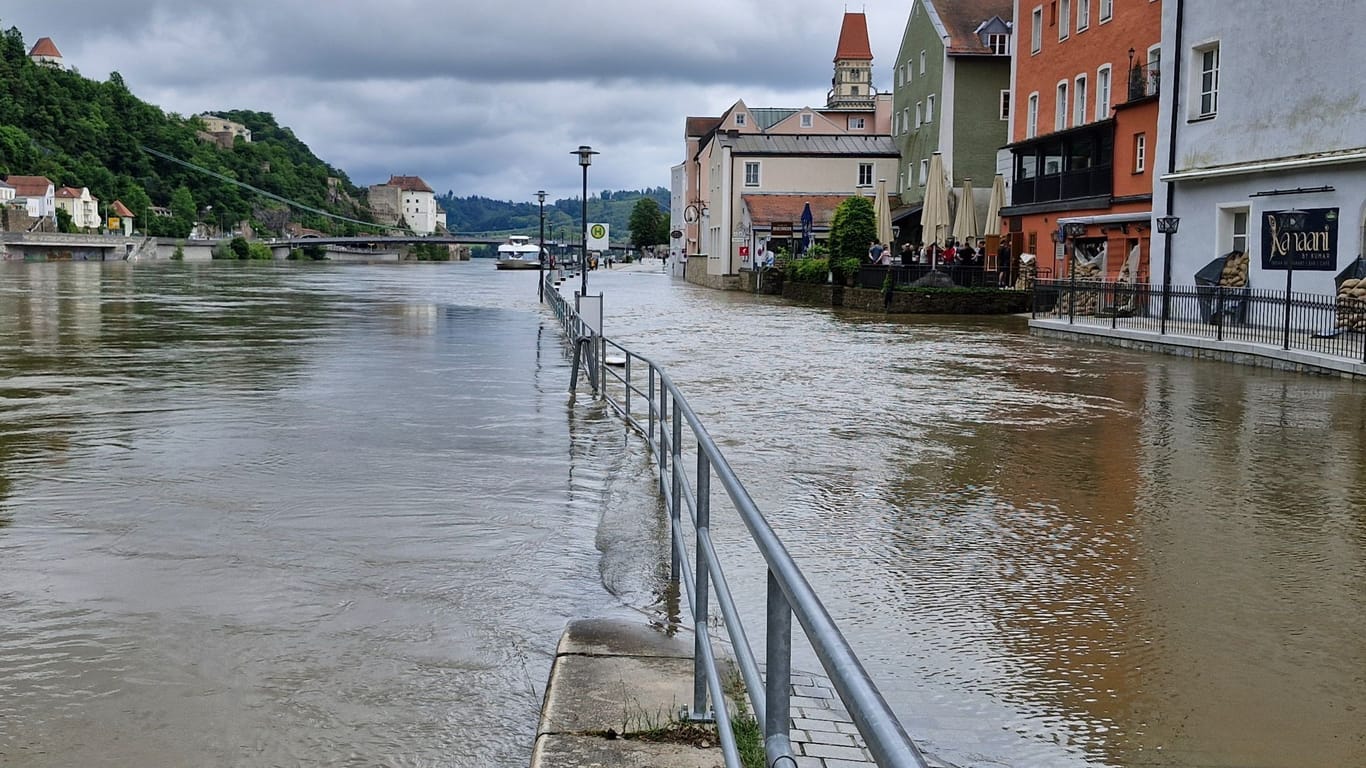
751	173
855	123
1103	93
1065	27
919	114
922	62
806	120
1060	113
853	90
924	171
999	44
1240	231
1107	10
905	119
1036	30
910	71
865	174
1079	100
929	108
1005	105
739	118
1209	80
1032	116
1083	14
1140	152
900	76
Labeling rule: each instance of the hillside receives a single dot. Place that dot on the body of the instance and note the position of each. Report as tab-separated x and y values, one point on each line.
481	215
83	133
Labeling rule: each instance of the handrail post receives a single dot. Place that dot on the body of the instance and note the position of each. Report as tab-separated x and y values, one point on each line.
699	609
778	675
628	386
675	474
650	415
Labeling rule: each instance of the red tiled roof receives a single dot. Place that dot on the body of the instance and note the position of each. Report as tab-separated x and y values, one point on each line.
68	193
29	186
120	209
45	47
409	183
766	209
700	126
854	39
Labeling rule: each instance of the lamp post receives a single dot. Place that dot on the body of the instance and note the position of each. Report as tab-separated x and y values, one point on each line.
540	255
585	154
1073	230
1167	226
1290	223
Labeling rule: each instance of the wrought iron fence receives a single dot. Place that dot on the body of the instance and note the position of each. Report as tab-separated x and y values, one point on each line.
1309	322
689	461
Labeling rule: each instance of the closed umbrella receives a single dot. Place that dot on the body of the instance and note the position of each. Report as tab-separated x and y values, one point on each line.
882	207
995	203
965	223
807	227
935	216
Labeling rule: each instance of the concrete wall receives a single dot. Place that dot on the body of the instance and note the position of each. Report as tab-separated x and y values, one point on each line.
696	273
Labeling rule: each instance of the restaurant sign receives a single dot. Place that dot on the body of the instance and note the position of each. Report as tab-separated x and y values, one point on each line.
780	229
1316	248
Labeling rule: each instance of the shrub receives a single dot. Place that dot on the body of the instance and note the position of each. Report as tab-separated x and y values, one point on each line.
844	270
807	270
852	228
222	251
179	253
259	252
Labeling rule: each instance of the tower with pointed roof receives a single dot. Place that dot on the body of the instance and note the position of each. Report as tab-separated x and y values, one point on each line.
45	53
852	86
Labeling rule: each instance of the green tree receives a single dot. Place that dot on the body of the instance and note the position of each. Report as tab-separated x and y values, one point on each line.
853	227
647	223
64	221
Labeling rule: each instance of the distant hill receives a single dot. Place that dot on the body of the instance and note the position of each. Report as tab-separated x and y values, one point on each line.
83	133
481	215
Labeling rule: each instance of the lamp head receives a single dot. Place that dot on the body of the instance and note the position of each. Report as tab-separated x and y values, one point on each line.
1074	229
1167	225
1292	221
540	196
585	154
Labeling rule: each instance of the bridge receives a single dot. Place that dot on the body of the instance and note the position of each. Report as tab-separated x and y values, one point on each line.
112	247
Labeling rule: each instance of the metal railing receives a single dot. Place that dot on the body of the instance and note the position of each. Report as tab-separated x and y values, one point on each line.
647	399
1318	323
1144	80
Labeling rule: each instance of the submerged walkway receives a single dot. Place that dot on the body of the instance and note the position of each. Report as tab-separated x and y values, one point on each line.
1189	339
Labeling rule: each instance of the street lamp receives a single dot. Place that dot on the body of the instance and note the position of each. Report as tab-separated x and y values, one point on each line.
1291	222
540	255
1167	226
1073	230
585	154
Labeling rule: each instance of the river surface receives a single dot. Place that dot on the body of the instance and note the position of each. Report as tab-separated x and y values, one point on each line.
339	515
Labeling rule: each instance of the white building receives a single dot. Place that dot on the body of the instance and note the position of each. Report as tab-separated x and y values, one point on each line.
38	194
1263	113
80	205
6	192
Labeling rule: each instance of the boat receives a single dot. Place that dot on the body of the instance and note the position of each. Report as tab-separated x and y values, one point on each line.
518	253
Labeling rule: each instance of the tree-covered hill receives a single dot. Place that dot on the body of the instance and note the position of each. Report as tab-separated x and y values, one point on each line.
83	133
469	215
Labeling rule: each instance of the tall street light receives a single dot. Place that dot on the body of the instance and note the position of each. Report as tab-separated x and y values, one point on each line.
585	154
1291	223
540	255
1167	226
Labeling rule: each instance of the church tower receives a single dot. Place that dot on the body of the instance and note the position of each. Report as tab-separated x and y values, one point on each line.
45	53
852	86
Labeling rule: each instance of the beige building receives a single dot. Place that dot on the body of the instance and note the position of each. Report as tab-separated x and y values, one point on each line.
80	205
215	125
839	150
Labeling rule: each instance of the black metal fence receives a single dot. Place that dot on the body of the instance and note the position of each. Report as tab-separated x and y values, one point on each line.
962	275
1310	322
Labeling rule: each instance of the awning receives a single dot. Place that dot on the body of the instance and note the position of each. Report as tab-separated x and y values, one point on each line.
907	212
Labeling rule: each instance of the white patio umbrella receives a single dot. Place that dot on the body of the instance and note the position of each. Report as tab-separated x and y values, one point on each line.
882	207
934	217
995	203
965	223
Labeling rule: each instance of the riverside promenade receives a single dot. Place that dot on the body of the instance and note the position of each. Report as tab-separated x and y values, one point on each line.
618	687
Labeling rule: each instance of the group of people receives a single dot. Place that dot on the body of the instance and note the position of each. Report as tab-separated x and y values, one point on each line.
950	254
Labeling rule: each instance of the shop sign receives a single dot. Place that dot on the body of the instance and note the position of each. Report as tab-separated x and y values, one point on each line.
1316	248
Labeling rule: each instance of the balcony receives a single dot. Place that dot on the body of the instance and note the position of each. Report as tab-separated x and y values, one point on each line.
1067	165
1144	80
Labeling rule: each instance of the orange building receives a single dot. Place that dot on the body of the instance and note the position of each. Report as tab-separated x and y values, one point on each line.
1084	86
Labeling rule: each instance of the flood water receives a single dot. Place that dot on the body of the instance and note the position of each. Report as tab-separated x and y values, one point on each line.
339	515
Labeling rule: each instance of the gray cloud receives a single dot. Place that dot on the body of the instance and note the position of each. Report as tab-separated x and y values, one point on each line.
482	99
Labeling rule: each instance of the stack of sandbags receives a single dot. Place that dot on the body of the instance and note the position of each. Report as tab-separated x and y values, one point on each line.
1088	292
1235	271
1024	280
1352	304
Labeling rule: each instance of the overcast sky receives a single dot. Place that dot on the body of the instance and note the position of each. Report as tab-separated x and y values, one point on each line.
478	98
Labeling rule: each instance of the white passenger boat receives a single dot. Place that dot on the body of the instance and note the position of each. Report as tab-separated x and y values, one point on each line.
518	253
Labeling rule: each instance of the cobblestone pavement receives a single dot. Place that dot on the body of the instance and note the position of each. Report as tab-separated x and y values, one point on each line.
823	734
